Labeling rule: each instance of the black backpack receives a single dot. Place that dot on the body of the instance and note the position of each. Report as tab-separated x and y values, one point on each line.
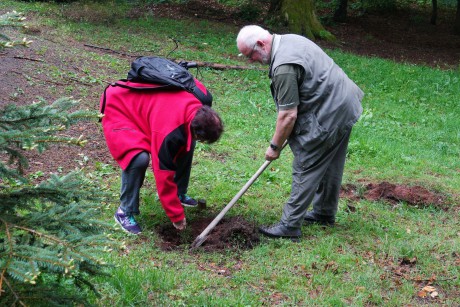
165	75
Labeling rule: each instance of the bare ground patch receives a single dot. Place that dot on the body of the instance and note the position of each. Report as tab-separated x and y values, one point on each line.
396	193
229	233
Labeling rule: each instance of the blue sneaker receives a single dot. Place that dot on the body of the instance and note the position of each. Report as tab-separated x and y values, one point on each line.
187	201
127	222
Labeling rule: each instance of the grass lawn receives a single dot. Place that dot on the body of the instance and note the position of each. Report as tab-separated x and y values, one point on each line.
378	254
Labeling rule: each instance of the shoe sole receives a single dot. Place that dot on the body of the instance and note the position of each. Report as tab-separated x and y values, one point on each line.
123	228
293	238
188	205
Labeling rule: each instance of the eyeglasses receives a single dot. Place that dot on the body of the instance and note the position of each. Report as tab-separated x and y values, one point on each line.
249	56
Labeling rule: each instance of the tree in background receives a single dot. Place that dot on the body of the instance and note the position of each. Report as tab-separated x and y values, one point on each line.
340	14
341	11
50	237
457	19
300	17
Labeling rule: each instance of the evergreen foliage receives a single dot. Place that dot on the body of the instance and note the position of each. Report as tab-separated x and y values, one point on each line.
50	237
12	19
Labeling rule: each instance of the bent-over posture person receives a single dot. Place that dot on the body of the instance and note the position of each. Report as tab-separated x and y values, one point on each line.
317	107
163	126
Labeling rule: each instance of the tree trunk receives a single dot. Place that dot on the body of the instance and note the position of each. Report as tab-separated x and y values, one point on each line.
434	12
340	14
275	7
301	19
457	19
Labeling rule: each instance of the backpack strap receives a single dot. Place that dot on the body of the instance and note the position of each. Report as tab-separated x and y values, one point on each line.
141	88
205	99
104	100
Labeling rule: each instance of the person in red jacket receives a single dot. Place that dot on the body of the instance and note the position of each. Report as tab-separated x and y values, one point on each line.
162	125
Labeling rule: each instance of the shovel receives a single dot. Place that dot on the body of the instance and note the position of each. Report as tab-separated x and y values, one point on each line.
204	235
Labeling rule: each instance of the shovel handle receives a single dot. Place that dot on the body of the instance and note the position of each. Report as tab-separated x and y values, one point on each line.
202	237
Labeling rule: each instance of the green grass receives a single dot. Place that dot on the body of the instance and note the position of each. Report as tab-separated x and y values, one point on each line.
409	134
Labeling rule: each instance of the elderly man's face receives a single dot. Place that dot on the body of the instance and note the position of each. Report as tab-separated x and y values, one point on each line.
256	53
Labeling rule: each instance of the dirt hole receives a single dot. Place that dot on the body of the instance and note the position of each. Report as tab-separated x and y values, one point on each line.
229	233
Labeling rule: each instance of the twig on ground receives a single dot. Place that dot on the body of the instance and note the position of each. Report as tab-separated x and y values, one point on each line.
51	81
200	64
223	67
110	50
29	59
27	76
431	279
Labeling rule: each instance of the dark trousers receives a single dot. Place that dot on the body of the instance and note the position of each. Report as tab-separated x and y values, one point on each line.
318	184
132	179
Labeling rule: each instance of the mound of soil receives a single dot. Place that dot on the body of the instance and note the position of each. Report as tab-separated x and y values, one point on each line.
393	194
229	233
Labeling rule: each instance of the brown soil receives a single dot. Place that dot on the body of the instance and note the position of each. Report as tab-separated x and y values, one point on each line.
29	73
395	194
229	233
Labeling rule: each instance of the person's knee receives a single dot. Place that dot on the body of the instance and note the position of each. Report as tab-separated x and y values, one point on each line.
142	160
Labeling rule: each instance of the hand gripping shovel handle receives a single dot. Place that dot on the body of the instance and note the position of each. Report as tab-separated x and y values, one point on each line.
203	236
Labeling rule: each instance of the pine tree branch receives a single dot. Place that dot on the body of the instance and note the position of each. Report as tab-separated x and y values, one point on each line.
41	260
14	293
40	234
66	244
10	243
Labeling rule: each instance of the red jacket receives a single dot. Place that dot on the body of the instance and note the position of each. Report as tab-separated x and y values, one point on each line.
154	121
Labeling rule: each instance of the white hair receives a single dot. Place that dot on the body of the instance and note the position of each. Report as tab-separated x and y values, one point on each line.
249	35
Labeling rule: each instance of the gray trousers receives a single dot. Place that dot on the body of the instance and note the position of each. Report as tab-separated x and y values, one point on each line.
132	179
319	183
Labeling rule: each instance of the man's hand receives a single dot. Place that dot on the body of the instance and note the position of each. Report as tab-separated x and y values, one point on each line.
180	225
271	154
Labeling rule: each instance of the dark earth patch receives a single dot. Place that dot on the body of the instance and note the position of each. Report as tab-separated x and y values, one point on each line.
230	233
394	194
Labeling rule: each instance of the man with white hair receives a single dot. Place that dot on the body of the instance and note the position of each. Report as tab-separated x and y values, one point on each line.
317	107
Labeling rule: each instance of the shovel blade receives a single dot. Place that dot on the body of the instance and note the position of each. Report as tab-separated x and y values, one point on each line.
198	241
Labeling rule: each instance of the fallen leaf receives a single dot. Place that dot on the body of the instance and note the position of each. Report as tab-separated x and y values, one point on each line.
429	289
434	294
421	294
409	261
